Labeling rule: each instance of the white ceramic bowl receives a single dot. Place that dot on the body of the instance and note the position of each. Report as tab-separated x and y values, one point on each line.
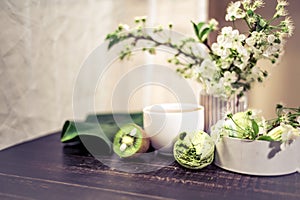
261	158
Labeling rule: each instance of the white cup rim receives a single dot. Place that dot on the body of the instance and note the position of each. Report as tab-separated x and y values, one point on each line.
176	107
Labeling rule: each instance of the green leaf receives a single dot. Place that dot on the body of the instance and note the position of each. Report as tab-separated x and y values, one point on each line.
265	137
204	34
182	135
113	40
250	13
197	28
200	25
255	127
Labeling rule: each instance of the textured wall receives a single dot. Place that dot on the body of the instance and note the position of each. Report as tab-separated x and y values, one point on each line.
44	42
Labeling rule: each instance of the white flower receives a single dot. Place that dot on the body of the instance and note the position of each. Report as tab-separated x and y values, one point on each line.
207	68
289	132
220	50
246	4
282	3
287	26
217	131
215	88
271	51
271	38
237	39
226	30
255	74
258	3
249	5
251	41
243	51
221	39
281	12
227	40
124	27
263	127
213	24
225	63
140	19
280	8
229	78
234	11
199	49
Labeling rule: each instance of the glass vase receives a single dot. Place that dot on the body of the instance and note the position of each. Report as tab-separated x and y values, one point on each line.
215	108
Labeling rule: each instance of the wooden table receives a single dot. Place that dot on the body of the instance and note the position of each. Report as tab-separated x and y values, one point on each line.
46	169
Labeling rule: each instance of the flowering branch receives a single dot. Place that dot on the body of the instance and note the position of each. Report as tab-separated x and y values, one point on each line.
228	67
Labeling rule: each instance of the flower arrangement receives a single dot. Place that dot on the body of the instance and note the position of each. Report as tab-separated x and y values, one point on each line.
228	67
247	143
249	125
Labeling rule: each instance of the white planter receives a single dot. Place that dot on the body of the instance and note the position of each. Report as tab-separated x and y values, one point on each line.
260	158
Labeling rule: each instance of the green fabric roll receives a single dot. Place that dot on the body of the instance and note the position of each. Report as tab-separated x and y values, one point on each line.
97	131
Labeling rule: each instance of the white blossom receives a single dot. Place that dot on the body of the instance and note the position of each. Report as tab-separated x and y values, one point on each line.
225	63
258	4
282	3
234	11
288	133
228	39
250	5
251	41
229	78
255	74
207	68
220	50
263	127
226	30
281	12
271	50
271	38
217	131
199	50
124	27
287	26
140	19
280	8
246	4
213	23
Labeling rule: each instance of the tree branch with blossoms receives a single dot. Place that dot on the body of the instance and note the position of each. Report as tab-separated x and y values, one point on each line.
228	67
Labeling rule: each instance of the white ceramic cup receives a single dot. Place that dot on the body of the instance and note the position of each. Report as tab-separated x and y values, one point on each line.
163	123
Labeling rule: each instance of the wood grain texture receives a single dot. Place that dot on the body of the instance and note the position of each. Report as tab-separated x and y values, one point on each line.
46	169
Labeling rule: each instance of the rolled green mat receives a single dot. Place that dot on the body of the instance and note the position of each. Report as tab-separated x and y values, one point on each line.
95	137
122	118
98	131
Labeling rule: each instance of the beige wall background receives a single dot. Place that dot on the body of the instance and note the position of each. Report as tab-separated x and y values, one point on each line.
44	43
282	86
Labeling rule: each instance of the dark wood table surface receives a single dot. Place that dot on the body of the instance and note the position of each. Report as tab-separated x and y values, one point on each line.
46	169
